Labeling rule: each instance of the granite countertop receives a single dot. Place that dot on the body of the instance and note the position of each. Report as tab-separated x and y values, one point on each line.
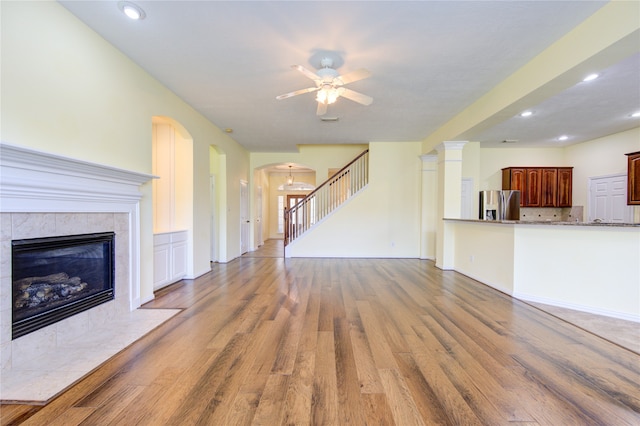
549	222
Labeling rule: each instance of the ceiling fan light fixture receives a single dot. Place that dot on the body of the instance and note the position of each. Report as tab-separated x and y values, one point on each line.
327	95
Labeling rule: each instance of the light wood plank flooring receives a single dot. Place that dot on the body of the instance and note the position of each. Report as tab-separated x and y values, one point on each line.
269	341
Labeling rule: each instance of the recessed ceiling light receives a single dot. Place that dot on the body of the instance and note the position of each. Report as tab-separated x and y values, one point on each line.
590	77
132	10
636	114
563	138
526	114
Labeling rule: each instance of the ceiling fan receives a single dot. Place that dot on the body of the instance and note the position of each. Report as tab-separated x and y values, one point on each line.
330	85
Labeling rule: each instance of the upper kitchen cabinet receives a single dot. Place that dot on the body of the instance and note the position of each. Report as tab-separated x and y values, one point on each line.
549	192
540	186
565	188
633	178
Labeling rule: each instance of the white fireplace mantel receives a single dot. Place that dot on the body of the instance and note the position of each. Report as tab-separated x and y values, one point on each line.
29	177
33	181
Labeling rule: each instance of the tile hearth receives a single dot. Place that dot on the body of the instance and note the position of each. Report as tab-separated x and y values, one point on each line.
51	373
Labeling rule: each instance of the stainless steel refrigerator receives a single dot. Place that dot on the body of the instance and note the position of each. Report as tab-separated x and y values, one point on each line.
499	205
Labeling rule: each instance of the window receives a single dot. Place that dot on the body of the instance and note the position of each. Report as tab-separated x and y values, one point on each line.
280	214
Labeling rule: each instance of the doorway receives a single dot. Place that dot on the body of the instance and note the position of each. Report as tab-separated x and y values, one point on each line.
244	217
608	199
214	223
466	199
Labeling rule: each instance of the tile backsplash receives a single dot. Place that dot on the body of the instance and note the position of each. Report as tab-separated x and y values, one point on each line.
552	214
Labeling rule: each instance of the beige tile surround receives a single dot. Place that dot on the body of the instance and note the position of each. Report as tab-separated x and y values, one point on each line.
38	366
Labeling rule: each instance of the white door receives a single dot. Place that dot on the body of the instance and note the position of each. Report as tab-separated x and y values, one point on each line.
608	199
259	216
214	225
466	202
244	217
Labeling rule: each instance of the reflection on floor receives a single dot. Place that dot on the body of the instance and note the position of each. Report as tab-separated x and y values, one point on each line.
621	332
270	248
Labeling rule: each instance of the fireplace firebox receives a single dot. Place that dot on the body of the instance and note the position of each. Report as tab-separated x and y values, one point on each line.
57	277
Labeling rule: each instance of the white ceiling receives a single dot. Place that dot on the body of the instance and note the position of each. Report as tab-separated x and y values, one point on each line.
429	60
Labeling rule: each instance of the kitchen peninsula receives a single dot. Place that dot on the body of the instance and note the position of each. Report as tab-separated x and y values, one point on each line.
591	267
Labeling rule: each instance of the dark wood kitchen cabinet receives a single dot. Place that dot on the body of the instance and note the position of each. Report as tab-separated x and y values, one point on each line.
633	178
540	186
514	179
533	188
565	186
549	192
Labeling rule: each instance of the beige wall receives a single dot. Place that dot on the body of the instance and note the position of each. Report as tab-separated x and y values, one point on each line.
381	221
275	180
67	91
493	160
600	157
587	268
319	158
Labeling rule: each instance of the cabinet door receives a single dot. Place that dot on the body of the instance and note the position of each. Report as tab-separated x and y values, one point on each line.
515	179
633	179
161	265
565	188
532	194
549	187
178	261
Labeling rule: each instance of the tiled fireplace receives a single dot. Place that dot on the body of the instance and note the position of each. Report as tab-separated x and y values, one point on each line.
16	226
44	195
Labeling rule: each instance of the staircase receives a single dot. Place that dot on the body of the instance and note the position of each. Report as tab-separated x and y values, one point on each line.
326	198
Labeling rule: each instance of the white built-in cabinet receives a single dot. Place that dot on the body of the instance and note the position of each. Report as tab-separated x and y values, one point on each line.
169	258
172	201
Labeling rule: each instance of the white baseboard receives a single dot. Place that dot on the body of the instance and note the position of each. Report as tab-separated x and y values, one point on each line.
198	274
588	309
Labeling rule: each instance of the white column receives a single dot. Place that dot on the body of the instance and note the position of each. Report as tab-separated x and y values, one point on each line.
449	199
429	220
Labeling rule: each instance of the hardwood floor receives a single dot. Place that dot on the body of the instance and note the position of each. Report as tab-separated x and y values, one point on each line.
268	341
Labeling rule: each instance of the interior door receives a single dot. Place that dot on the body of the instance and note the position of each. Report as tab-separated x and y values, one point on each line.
260	238
244	217
608	199
214	224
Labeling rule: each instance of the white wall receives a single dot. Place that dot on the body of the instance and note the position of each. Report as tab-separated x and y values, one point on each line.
381	221
67	91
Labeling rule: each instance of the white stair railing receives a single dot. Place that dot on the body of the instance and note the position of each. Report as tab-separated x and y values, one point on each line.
326	198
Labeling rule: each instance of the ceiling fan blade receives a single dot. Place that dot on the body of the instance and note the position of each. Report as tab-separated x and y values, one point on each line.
355	96
322	108
297	92
356	75
311	75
